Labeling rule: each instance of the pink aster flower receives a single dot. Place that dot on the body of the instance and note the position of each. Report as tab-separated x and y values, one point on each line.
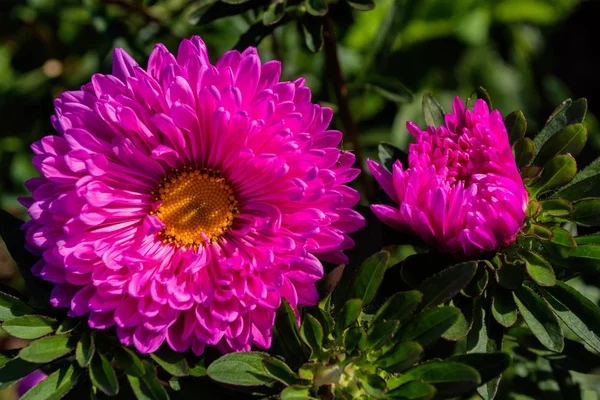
182	202
462	192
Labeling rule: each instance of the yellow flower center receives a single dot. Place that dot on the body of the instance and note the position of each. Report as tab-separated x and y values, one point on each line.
197	206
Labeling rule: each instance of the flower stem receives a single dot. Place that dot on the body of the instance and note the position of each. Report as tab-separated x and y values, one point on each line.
334	71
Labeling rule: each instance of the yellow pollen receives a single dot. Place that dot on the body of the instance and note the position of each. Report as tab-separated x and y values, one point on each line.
197	206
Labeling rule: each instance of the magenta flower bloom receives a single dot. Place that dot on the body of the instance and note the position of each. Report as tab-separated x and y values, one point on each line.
462	192
182	202
30	381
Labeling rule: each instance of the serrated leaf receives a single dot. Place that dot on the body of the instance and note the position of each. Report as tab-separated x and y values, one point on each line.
538	269
103	375
432	111
14	370
400	357
504	308
30	326
312	333
367	280
428	326
587	212
449	378
316	7
565	114
414	390
172	362
539	318
312	27
559	171
54	386
516	125
240	369
47	349
85	349
523	151
562	244
347	315
129	362
569	140
279	370
398	307
381	333
11	307
585	184
274	12
447	283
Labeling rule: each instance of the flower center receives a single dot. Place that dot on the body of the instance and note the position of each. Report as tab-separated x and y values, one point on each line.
197	206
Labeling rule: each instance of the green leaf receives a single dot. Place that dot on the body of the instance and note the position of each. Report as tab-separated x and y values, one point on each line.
510	276
172	362
212	11
461	326
240	369
432	111
533	209
234	2
489	365
516	125
540	232
565	114
355	338
362	5
504	308
316	7
30	326
539	318
296	392
274	12
587	239
148	387
447	283
67	325
562	244
47	349
103	375
587	212
312	27
129	362
311	332
367	280
400	357
381	333
538	269
390	89
480	93
557	207
585	184
85	349
530	174
449	378
11	307
14	370
523	151
279	370
559	171
415	390
585	258
54	386
389	154
398	307
348	315
428	326
329	282
374	385
479	282
569	140
287	327
577	312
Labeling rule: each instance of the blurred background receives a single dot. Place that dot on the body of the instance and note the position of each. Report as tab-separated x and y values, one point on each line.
528	54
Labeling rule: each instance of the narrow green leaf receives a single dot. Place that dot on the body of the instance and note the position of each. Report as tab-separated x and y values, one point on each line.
569	112
274	12
428	326
355	338
30	326
400	357
329	282
538	269
585	184
415	390
585	258
362	5
381	333
523	151
312	27
569	140
348	315
504	308
85	349
54	386
316	7
103	375
557	207
14	370
369	277
539	318
449	378
447	283
240	369
516	125
577	312
432	111
559	171
172	362
311	332
129	362
398	307
147	387
47	349
562	244
587	212
296	392
11	307
287	327
279	370
540	232
587	239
